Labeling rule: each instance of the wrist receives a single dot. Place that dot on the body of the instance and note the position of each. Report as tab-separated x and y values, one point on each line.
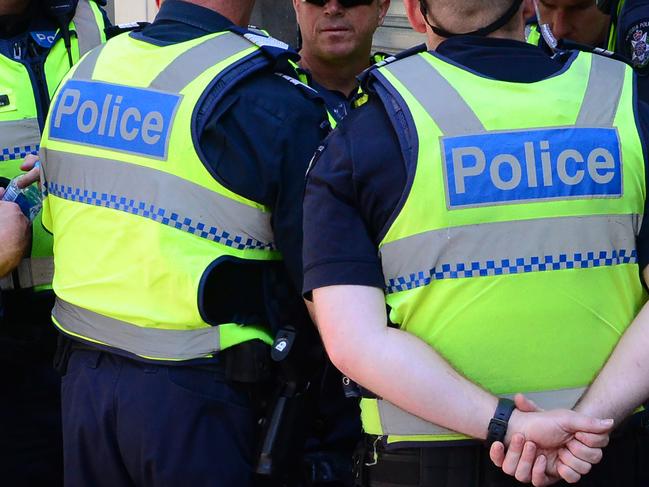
516	422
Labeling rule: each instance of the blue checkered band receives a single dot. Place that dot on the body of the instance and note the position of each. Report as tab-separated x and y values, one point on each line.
579	260
17	153
156	214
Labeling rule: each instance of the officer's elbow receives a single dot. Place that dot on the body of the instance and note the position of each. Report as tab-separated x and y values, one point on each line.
337	346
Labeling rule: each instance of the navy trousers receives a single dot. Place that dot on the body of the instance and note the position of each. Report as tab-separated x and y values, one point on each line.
129	423
30	404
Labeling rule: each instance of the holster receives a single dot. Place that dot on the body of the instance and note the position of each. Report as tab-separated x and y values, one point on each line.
247	363
283	427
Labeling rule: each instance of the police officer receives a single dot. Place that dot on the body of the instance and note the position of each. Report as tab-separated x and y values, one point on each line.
467	196
336	43
619	26
336	46
39	41
173	161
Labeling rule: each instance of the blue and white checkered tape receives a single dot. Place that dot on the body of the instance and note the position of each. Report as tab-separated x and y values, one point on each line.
156	214
521	265
17	153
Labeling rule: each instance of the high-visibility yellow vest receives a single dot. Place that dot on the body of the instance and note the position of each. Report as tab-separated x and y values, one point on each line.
513	254
138	219
20	127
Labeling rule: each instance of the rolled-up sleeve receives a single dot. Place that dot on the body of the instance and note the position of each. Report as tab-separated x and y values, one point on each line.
338	248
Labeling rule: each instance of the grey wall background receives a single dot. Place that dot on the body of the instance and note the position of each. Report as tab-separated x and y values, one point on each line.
278	18
110	8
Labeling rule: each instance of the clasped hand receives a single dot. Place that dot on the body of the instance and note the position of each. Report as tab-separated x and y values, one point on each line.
547	446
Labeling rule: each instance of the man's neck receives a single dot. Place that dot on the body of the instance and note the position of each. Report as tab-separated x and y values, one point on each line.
339	76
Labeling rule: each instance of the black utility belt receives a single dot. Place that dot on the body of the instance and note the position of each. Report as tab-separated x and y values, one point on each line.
247	363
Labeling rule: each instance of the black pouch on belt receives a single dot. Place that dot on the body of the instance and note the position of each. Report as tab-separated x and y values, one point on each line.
247	363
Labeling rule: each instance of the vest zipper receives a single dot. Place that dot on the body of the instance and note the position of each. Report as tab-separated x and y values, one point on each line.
38	82
43	91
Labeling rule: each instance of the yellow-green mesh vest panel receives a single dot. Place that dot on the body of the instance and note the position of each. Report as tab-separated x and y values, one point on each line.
20	132
131	247
522	293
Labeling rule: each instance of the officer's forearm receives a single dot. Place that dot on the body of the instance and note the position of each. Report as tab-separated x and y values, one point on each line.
623	384
396	365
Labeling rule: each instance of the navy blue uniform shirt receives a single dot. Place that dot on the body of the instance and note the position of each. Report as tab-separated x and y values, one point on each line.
633	43
359	175
338	104
259	138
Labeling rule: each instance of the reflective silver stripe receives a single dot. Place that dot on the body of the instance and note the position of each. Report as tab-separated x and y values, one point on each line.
395	421
34	272
30	273
510	247
158	196
85	25
605	84
438	97
191	64
18	137
86	67
145	342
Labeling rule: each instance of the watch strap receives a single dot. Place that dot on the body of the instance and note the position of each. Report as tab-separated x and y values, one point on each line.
498	424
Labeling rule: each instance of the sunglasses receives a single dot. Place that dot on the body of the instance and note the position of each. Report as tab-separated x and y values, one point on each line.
343	3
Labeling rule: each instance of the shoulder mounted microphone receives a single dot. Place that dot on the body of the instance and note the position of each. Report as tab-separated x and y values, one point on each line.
62	12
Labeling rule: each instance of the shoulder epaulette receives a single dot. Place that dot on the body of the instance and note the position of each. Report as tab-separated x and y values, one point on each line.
115	30
272	47
363	79
298	83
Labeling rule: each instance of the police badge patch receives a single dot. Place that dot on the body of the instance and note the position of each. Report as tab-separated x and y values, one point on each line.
637	48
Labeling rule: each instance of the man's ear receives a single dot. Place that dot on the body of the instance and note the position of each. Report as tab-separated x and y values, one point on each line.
528	9
384	6
296	7
416	18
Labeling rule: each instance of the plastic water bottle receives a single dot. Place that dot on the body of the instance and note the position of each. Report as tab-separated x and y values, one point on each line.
29	199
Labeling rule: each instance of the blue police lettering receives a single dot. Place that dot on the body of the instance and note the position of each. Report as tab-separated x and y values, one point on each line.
90	117
45	38
598	160
536	164
114	116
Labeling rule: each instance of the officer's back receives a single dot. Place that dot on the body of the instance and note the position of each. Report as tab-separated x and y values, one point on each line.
471	217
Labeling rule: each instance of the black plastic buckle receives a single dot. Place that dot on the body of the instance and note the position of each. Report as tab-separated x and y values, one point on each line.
283	344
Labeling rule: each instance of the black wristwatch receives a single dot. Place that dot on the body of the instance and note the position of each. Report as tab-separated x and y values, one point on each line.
498	424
